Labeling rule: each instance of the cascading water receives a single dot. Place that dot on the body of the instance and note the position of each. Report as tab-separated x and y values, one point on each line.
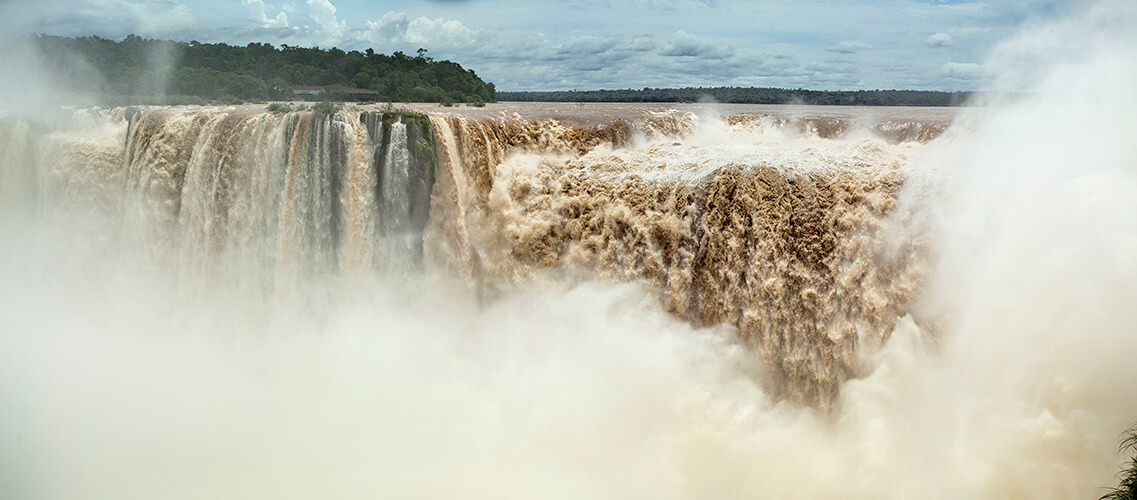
396	179
777	239
615	302
251	197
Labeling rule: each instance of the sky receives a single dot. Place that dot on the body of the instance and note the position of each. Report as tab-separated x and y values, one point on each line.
594	44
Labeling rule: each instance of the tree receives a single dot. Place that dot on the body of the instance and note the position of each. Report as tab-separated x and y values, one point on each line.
253	71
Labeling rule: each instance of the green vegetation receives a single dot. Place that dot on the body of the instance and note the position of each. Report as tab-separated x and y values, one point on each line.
277	107
423	149
323	109
750	95
143	71
1127	487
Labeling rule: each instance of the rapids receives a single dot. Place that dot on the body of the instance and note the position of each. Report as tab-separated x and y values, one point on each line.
764	223
545	301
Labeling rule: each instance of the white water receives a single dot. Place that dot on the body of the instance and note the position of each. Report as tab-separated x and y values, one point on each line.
397	177
117	383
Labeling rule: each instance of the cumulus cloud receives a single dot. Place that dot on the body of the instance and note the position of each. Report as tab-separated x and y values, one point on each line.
848	47
684	44
587	46
259	8
392	26
438	31
642	43
397	29
324	13
938	40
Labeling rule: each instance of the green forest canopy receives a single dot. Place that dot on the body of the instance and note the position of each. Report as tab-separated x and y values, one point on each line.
140	70
258	71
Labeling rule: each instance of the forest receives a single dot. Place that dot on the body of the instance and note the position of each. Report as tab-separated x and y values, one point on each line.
137	70
750	95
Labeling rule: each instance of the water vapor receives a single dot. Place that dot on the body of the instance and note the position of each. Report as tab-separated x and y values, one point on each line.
172	349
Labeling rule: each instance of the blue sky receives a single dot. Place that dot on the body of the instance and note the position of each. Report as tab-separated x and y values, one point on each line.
589	44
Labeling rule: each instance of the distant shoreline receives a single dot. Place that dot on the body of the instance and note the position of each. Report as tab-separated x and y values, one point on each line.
750	95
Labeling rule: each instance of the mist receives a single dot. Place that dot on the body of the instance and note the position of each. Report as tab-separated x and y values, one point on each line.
124	376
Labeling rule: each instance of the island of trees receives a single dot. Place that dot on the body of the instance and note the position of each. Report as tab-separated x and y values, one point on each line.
750	95
141	71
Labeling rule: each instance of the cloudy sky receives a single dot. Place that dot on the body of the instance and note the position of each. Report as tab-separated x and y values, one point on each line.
590	44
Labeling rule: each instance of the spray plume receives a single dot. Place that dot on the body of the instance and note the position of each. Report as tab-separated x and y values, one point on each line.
195	346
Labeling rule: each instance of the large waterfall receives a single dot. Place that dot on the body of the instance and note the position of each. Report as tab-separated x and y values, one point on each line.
771	226
580	302
776	233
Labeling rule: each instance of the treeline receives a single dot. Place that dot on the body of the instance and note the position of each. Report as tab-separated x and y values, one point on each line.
258	71
750	95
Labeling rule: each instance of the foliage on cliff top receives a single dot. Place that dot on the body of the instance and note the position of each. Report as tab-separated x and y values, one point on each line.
258	71
324	109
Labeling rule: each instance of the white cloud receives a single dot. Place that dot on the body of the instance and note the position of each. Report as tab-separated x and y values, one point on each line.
684	44
938	40
587	46
642	43
965	71
258	8
439	31
848	47
397	29
324	13
391	27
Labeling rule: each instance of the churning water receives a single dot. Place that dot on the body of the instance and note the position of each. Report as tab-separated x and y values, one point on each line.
623	302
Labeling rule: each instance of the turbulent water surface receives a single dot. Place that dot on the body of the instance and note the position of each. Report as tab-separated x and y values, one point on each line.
571	301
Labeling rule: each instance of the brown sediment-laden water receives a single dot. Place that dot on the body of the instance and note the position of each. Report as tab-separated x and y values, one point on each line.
576	301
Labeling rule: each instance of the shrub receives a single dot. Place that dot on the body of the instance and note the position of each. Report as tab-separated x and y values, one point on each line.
277	107
423	149
324	109
1127	487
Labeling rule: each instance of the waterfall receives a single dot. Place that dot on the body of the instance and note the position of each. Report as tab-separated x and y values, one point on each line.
243	304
